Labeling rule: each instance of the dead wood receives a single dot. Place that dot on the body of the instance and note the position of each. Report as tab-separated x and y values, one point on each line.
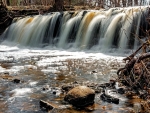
136	73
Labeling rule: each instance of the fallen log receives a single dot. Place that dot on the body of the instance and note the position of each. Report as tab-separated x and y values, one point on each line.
128	67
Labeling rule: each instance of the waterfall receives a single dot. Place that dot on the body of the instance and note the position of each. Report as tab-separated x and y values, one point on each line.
126	29
69	26
110	32
83	29
106	29
52	25
92	29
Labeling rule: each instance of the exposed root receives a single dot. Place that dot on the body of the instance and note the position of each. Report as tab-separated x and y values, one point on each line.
136	73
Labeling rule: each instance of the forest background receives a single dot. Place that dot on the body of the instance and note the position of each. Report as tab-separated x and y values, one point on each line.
97	3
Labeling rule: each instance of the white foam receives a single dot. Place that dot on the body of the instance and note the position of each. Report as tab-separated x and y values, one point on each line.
21	91
33	83
45	57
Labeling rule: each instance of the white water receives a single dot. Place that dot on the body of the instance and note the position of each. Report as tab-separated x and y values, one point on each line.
107	42
68	27
95	22
11	53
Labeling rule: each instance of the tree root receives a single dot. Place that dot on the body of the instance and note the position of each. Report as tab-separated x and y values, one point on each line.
136	73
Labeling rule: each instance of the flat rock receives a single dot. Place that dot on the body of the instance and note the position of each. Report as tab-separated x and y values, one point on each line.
80	96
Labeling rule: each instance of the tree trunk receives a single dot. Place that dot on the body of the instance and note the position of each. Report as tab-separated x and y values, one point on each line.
4	2
117	3
59	5
69	2
124	3
135	2
101	3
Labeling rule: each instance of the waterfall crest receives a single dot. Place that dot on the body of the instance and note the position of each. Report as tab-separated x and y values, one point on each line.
113	28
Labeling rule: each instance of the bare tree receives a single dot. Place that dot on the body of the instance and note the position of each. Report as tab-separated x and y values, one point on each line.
69	2
100	3
58	5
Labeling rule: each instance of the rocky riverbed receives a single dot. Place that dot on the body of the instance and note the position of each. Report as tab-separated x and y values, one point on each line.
29	75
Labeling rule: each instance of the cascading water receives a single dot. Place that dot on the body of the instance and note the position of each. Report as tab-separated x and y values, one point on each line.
42	72
113	28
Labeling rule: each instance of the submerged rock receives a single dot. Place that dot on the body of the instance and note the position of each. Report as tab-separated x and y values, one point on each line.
16	81
45	88
80	96
47	106
109	98
67	88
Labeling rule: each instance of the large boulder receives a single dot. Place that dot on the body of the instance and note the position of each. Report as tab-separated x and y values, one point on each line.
80	96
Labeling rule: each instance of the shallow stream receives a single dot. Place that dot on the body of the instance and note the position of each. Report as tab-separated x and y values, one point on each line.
40	68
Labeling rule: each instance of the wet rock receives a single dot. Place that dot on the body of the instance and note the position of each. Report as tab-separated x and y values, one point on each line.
80	96
6	73
121	90
92	107
109	85
16	81
93	72
112	83
109	98
67	88
54	92
45	88
7	77
7	65
96	87
45	105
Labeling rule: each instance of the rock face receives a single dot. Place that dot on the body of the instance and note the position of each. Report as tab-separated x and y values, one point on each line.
80	96
5	20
